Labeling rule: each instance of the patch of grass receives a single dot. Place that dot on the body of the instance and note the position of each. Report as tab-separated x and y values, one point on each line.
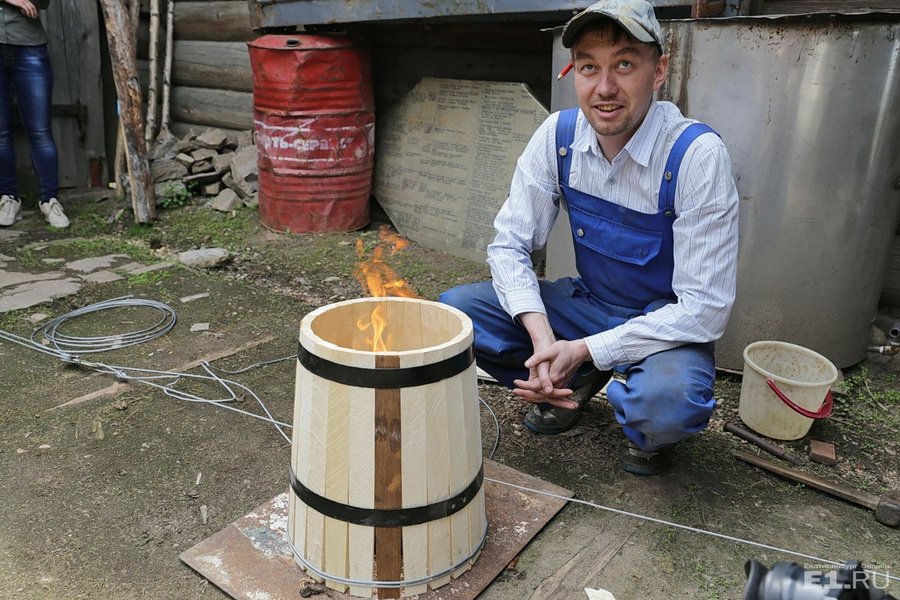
197	226
148	278
98	247
90	224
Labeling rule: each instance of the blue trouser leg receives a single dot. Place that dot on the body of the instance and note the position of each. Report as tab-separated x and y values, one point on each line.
666	397
27	69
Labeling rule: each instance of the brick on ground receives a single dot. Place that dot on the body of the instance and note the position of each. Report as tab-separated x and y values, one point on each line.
822	452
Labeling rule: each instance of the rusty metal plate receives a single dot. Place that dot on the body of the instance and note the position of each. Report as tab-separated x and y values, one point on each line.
252	559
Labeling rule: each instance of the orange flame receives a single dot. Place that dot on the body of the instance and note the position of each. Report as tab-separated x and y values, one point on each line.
380	281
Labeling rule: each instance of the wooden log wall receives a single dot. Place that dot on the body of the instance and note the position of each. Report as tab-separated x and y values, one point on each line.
212	84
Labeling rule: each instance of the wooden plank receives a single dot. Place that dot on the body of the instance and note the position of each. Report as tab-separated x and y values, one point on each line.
212	108
388	478
73	27
460	477
415	491
438	483
220	65
586	563
318	436
300	440
337	483
128	91
222	21
468	393
362	483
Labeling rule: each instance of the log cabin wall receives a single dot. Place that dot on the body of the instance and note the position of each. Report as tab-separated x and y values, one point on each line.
212	85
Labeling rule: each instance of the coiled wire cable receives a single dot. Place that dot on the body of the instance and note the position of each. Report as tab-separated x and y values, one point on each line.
72	345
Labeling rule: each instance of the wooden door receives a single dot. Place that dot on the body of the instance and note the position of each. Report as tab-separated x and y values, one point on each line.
74	43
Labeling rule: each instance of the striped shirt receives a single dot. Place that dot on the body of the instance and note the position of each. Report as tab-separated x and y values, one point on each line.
705	230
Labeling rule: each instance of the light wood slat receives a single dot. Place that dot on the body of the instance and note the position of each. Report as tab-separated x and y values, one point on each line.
337	471
439	554
362	483
459	476
300	458
415	493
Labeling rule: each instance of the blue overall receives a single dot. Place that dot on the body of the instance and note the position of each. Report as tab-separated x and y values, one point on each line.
626	262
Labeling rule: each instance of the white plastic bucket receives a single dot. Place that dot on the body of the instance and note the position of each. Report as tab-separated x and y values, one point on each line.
784	389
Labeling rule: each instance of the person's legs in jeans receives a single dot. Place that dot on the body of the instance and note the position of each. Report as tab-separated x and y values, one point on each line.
32	77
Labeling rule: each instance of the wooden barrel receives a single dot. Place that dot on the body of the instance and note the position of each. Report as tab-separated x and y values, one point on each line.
386	466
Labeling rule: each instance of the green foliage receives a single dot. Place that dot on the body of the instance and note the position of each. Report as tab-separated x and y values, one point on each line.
174	194
89	224
148	278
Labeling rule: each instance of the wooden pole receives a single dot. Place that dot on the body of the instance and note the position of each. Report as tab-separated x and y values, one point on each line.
167	67
120	165
154	69
128	90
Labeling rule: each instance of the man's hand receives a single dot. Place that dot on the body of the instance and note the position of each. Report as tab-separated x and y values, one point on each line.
27	8
553	364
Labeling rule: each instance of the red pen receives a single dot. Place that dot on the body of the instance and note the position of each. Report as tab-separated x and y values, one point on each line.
565	71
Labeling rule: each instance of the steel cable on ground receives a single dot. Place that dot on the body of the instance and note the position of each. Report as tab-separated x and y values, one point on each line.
69	344
66	348
70	348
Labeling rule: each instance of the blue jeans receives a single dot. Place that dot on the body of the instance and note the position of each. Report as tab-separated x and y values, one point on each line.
664	398
26	71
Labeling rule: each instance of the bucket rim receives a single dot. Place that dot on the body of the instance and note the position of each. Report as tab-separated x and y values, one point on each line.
834	372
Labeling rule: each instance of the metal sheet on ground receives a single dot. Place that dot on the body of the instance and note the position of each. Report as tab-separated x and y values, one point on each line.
251	556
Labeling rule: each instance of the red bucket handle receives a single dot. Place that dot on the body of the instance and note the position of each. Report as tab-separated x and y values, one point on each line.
823	412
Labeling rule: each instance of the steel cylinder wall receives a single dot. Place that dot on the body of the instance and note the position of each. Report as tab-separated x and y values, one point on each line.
314	116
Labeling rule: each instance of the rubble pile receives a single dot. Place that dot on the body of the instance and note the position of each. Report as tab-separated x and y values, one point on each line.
206	165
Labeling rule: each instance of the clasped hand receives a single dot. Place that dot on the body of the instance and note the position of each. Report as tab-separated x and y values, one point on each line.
550	369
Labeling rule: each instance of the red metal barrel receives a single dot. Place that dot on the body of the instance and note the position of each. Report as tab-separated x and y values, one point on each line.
314	114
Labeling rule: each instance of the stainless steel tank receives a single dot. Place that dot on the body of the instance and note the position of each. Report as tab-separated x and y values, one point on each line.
809	108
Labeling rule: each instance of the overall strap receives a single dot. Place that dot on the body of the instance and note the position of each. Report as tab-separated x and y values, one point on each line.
565	133
673	163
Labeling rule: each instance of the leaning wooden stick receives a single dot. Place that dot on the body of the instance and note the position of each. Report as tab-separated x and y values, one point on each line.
167	67
128	90
120	164
154	69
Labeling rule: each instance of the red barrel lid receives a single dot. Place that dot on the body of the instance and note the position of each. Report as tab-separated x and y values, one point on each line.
303	41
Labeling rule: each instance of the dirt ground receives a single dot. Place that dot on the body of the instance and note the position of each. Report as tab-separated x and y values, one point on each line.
99	497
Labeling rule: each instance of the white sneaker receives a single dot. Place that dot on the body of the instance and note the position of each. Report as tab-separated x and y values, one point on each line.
9	210
53	212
